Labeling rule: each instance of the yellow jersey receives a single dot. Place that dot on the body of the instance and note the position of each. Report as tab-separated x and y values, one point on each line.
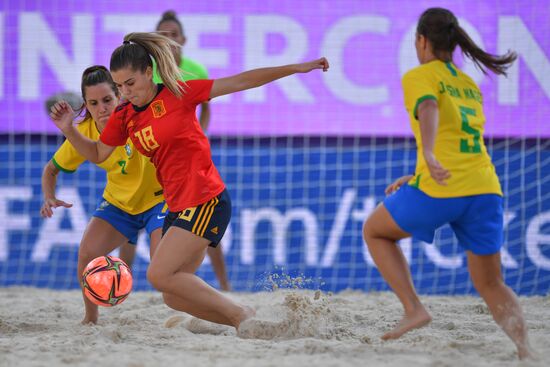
132	185
459	145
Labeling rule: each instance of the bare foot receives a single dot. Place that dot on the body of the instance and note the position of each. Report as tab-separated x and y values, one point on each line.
198	326
526	353
413	320
89	320
246	313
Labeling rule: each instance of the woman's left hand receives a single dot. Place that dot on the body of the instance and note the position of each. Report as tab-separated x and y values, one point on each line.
397	184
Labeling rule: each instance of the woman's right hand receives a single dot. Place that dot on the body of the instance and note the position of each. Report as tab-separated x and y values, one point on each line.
62	115
397	184
46	210
437	171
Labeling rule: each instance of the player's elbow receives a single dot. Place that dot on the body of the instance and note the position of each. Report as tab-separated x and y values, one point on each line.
50	169
98	159
427	107
100	153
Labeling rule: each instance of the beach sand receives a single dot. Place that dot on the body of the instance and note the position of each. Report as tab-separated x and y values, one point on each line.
41	327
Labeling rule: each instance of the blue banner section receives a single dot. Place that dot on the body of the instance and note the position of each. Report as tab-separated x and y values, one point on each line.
298	209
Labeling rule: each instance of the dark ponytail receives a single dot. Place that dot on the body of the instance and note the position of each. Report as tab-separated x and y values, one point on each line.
441	28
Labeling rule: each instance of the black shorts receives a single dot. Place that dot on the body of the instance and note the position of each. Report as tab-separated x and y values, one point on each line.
208	220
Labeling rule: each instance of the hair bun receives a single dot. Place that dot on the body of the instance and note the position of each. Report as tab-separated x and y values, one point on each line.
169	14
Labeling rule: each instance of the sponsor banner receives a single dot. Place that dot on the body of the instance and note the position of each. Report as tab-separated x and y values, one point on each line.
44	50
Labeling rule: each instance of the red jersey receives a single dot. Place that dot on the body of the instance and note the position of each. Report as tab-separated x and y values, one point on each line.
167	131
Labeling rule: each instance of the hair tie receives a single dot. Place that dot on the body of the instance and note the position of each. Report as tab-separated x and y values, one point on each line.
125	42
453	25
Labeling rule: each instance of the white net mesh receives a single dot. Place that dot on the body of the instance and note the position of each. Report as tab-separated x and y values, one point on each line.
305	159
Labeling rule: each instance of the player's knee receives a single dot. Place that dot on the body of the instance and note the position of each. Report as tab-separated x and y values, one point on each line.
156	277
85	256
171	301
368	231
485	285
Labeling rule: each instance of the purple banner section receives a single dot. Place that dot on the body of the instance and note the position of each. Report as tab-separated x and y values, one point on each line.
46	45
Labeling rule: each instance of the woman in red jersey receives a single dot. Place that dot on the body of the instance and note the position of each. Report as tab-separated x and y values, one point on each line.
162	123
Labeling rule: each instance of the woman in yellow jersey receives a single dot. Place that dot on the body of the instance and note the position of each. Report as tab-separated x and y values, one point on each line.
455	181
132	199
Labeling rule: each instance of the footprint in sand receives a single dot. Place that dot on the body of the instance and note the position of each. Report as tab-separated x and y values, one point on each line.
173	321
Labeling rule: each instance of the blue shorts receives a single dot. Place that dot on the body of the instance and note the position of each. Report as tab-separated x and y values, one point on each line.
477	220
129	225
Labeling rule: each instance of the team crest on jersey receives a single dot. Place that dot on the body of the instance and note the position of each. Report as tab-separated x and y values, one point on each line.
158	109
128	150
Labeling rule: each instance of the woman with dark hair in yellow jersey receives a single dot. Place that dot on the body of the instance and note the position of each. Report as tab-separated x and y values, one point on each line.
455	181
132	199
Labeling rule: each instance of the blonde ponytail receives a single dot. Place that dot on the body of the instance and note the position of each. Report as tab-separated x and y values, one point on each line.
138	49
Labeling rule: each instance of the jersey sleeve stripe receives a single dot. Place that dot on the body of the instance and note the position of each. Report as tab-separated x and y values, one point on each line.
61	168
420	100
